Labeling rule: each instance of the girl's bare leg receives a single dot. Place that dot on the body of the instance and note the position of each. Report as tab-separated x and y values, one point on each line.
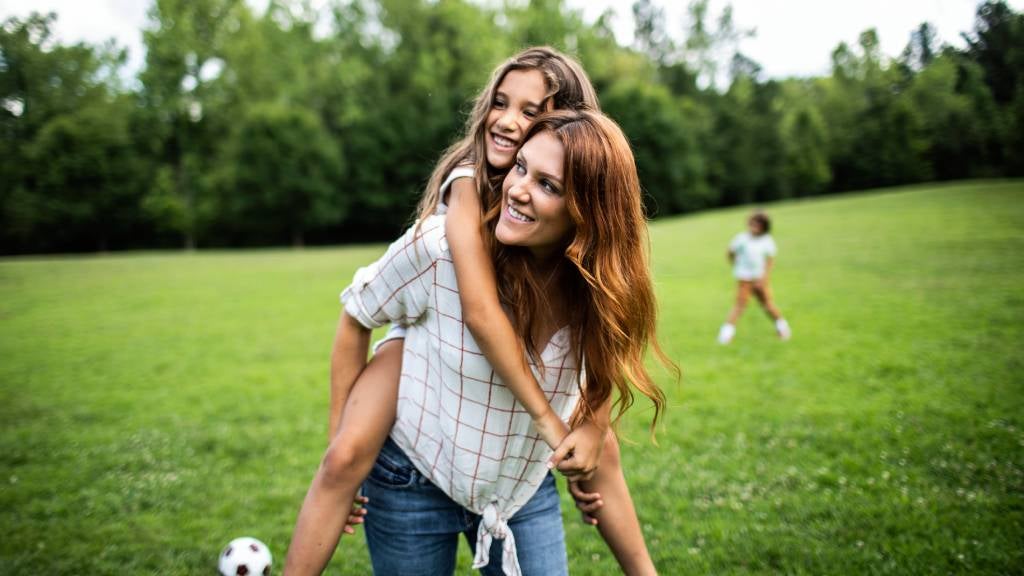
743	289
764	295
365	424
616	519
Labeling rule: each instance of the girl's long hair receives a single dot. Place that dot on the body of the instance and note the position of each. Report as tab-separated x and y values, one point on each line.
568	88
608	288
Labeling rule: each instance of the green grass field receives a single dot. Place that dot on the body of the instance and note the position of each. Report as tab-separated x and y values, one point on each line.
157	405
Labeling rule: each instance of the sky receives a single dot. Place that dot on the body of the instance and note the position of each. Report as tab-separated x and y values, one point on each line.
792	37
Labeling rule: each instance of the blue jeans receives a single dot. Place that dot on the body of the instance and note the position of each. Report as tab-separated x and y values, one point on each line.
412	527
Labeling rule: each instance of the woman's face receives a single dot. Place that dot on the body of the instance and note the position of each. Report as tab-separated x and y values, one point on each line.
518	100
533	211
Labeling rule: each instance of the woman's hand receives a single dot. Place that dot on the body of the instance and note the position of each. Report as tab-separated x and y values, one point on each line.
577	456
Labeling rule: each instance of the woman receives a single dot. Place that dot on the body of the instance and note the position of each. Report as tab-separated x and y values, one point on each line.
569	243
468	175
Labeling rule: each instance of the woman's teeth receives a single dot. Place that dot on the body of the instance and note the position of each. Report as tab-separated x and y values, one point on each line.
502	141
517	215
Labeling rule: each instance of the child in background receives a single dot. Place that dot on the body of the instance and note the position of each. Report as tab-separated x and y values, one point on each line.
752	255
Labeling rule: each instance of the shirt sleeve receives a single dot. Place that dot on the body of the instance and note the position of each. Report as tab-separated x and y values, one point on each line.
396	288
461	171
734	244
771	249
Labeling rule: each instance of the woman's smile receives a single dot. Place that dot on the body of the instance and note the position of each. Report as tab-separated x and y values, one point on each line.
517	215
535	214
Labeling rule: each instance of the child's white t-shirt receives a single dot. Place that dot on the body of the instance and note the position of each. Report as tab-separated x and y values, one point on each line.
751	252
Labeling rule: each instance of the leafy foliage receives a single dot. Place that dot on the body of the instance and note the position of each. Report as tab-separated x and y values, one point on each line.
295	124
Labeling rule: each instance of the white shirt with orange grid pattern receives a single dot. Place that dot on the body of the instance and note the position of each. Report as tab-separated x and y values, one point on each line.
460	426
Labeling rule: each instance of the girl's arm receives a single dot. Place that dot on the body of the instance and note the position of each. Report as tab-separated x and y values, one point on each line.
348	358
482	312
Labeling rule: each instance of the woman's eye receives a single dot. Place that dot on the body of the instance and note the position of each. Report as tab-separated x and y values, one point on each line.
547	185
520	167
529	114
499	104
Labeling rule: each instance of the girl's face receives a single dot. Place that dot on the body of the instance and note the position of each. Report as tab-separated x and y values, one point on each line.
518	100
754	227
533	212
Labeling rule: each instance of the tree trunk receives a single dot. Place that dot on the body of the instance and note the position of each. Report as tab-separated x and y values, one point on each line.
185	191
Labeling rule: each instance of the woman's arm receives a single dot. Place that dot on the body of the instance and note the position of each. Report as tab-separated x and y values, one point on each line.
348	358
482	312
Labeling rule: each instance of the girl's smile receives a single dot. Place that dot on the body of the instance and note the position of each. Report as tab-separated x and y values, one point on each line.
518	100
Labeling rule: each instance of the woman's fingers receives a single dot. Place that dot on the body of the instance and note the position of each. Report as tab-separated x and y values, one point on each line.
557	459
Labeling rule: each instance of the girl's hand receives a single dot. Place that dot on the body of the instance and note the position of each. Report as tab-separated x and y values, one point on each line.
357	515
587	502
577	456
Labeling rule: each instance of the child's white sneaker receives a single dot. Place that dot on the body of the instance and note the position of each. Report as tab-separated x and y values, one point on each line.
782	327
725	333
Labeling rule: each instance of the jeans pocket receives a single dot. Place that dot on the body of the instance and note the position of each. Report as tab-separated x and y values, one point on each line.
393	470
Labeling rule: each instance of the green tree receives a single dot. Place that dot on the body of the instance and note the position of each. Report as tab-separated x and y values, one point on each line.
288	174
665	143
957	136
997	45
86	178
184	47
804	136
747	148
428	63
46	91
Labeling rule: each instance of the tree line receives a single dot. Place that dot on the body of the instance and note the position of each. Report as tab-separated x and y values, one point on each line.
300	125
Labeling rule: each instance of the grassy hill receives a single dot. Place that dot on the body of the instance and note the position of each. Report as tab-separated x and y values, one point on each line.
154	406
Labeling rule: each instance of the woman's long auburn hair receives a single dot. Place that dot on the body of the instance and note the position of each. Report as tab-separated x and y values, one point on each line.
568	88
608	284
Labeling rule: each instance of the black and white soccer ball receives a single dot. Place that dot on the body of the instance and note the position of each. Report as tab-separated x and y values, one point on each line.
245	557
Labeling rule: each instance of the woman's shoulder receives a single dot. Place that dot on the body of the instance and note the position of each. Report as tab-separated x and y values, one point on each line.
429	236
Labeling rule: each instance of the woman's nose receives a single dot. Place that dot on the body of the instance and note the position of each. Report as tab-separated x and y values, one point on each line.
519	192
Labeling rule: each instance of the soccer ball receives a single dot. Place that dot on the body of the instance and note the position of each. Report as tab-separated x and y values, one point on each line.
245	557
